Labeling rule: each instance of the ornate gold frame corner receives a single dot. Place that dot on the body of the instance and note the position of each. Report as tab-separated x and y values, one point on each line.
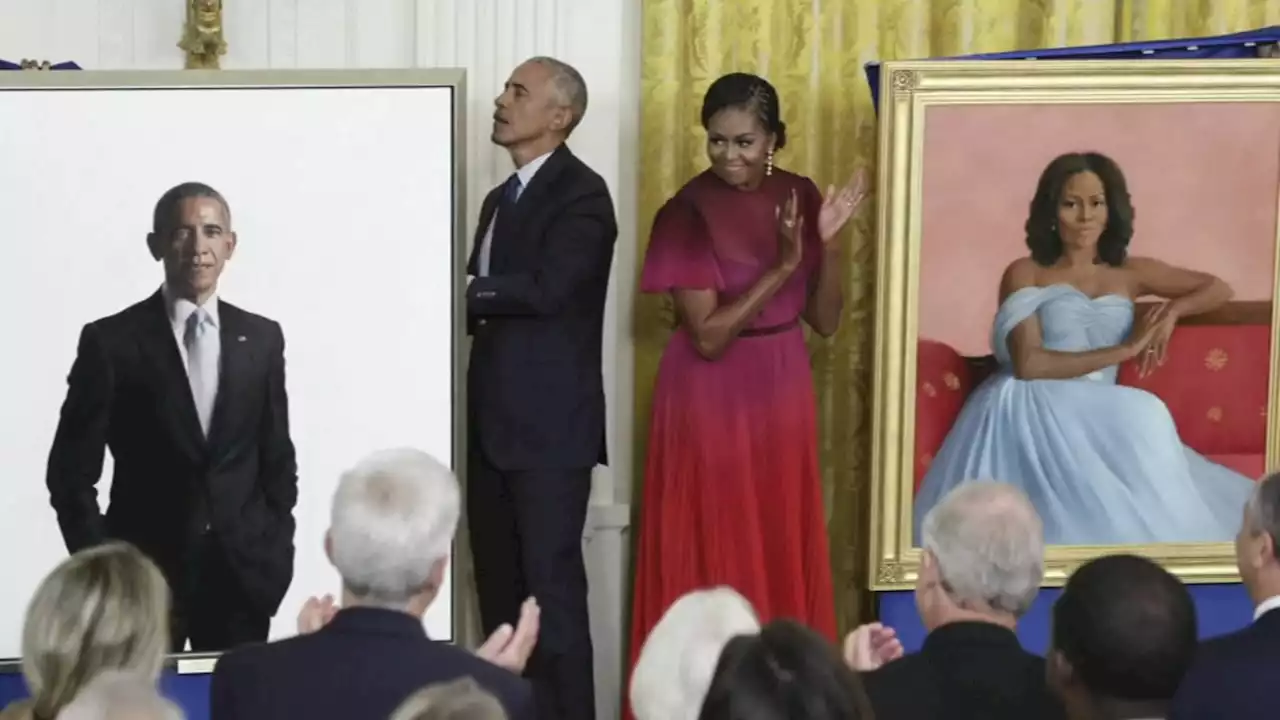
909	89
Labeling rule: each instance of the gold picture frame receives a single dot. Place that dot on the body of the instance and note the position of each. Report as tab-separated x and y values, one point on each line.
911	90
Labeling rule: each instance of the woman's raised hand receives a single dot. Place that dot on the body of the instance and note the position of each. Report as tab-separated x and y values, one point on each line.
790	233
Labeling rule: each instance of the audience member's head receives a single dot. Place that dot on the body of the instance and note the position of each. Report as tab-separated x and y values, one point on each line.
394	516
983	556
1124	634
785	671
680	655
1256	543
104	608
119	695
461	699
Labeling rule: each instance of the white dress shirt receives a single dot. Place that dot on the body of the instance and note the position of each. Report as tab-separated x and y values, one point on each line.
1266	606
179	310
525	174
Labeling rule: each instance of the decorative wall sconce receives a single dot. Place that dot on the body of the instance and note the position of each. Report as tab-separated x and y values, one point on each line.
202	36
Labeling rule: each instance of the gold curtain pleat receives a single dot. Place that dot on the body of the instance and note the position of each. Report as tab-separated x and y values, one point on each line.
813	51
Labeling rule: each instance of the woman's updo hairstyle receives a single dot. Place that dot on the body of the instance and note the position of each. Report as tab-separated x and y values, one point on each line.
750	93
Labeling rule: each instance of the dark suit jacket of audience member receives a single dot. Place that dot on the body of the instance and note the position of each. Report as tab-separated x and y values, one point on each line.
1234	676
360	666
964	670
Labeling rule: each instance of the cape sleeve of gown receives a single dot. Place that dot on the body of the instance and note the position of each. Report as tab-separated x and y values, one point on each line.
680	254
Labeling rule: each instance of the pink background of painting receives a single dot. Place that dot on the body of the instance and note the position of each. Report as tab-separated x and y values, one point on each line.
1204	180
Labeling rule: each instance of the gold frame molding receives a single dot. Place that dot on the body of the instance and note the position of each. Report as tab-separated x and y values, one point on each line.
910	88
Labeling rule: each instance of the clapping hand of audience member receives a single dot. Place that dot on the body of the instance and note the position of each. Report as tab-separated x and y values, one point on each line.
509	647
870	646
316	613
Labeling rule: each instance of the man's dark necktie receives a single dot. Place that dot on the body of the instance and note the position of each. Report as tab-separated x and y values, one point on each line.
507	204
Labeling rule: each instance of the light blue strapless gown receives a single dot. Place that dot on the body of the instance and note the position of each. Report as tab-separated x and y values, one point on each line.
1102	462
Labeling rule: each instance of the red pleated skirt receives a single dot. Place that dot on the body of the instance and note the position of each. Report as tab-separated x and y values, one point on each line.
732	491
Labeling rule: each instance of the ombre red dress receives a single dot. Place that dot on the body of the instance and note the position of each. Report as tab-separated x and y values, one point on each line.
732	492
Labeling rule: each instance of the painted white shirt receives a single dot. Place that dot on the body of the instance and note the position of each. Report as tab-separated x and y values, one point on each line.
179	310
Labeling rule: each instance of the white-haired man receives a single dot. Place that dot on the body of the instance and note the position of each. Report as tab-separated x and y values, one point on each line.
393	520
120	696
1234	676
680	655
980	569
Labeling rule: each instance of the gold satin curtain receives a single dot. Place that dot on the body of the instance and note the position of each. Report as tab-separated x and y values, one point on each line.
813	51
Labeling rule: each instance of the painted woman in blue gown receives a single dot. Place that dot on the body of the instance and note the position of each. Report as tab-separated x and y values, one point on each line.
1102	462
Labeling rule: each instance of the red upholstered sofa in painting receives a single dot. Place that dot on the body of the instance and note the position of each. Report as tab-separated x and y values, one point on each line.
1214	382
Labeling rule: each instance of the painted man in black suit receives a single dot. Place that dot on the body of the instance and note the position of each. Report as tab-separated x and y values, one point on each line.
1234	676
980	570
188	392
535	307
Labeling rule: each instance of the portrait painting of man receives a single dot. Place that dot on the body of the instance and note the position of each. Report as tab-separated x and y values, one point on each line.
188	393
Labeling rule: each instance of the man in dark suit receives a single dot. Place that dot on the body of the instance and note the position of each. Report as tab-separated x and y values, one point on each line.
1234	676
393	522
535	306
188	392
1124	634
980	569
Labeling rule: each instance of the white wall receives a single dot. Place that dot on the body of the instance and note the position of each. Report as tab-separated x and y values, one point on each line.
487	38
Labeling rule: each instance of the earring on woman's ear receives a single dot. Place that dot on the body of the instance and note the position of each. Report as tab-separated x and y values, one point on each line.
768	163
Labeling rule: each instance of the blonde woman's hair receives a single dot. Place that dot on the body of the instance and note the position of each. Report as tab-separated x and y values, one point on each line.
120	695
458	700
103	608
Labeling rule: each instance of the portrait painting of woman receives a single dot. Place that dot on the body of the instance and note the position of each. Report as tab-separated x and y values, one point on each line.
1103	462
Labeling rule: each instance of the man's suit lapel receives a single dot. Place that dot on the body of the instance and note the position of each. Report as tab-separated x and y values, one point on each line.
235	368
512	220
487	209
162	349
538	188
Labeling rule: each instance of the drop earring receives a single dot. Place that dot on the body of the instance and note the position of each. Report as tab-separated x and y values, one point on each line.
768	164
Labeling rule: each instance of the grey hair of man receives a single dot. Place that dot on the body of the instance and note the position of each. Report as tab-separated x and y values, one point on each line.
570	88
393	520
117	695
1263	508
988	541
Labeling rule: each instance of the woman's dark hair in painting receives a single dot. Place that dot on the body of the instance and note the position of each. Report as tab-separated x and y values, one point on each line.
1042	224
751	93
785	671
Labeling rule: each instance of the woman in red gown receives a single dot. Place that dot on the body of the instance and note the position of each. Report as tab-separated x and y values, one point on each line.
732	492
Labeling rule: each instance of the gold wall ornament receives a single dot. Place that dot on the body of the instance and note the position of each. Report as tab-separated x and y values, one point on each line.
26	64
202	36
